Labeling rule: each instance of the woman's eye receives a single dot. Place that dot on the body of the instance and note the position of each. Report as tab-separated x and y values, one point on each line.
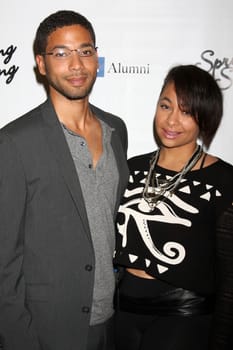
186	112
164	106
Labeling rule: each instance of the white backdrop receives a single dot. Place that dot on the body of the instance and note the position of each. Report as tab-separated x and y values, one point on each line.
138	42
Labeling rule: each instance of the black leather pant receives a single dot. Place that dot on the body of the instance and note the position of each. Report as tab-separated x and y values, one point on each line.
152	315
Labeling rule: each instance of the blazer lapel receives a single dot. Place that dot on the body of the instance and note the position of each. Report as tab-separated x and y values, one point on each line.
58	145
119	153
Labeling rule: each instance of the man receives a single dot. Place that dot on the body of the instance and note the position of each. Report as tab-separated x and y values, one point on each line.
62	171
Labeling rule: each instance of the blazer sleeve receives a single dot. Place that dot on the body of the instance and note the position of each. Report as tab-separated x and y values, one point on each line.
222	338
16	325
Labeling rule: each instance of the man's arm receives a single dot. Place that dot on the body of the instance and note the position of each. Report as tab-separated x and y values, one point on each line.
16	325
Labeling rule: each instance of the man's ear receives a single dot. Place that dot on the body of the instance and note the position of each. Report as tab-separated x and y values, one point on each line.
40	64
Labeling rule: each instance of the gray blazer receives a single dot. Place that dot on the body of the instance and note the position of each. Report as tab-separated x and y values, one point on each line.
46	254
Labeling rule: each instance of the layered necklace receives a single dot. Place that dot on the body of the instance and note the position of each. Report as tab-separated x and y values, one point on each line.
156	190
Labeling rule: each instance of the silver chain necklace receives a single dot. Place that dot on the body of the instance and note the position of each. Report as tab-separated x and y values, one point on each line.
160	189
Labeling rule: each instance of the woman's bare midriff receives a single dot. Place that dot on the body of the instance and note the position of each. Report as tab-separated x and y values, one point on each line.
139	273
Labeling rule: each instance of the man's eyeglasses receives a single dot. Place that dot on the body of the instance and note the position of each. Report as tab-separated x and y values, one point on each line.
61	53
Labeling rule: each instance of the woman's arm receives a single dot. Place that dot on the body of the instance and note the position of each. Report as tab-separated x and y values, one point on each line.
222	338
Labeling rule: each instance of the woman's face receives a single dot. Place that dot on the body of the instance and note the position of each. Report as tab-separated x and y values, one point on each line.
174	127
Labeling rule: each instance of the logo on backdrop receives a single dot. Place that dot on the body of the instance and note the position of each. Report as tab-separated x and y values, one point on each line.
7	71
220	68
100	72
120	68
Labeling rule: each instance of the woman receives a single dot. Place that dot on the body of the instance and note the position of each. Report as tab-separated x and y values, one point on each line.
175	228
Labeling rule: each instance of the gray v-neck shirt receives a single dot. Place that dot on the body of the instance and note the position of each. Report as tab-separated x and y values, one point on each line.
99	188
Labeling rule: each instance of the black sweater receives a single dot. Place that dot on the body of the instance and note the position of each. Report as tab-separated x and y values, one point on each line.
187	239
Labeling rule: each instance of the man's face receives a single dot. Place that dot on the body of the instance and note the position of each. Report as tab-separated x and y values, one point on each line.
73	76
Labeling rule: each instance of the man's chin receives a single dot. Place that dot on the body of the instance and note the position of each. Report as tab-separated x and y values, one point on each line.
74	98
77	96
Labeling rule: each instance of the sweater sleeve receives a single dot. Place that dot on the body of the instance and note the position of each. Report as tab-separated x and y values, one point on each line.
222	338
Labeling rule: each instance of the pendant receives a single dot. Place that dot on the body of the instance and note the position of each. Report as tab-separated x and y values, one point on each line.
163	183
155	196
